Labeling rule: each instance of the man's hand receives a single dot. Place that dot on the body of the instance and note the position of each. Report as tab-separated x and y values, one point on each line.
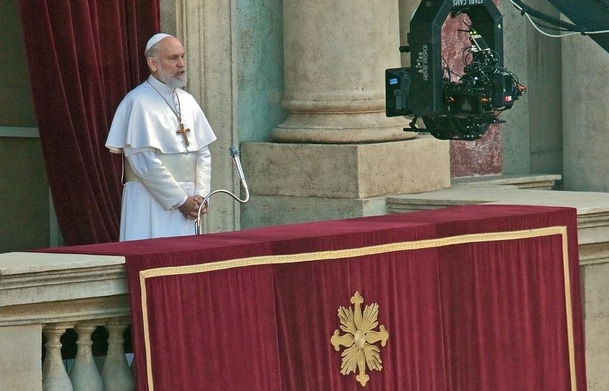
190	208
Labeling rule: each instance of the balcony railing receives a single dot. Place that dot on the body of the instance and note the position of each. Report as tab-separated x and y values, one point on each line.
44	297
85	371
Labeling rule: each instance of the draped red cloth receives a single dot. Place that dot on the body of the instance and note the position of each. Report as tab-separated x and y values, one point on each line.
83	57
483	297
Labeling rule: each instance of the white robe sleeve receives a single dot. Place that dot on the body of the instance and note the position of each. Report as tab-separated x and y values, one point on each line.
157	179
203	172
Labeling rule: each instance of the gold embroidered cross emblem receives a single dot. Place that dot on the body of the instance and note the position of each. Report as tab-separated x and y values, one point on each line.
360	339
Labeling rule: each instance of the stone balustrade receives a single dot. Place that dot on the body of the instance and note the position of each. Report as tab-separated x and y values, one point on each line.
43	295
84	372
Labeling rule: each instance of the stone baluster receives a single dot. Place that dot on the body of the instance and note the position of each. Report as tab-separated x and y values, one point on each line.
54	375
115	372
84	373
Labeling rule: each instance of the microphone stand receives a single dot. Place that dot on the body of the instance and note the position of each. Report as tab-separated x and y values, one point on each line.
234	152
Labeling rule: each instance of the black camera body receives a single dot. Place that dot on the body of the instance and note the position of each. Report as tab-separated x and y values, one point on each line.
460	109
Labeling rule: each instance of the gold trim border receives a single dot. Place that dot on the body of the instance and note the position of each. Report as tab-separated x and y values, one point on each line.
362	251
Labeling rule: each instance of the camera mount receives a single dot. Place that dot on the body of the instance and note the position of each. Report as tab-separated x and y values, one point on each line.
460	109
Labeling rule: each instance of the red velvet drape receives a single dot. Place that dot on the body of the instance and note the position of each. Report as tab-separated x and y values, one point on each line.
83	57
466	311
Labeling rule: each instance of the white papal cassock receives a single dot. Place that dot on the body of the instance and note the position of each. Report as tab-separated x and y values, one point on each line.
160	169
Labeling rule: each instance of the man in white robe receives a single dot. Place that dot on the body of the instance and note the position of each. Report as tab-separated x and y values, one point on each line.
164	136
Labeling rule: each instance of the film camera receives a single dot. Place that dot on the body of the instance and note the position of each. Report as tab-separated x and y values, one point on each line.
453	107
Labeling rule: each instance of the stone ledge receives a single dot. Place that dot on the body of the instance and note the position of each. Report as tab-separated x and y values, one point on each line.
66	311
592	207
28	278
533	181
346	171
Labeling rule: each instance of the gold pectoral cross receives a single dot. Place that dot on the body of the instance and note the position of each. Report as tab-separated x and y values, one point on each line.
183	132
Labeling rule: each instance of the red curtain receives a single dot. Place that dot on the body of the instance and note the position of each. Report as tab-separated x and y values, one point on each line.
83	57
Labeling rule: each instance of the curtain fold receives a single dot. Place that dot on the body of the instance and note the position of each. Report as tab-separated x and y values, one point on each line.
83	57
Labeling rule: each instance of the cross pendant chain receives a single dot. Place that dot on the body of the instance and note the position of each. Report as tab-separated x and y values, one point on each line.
183	132
177	111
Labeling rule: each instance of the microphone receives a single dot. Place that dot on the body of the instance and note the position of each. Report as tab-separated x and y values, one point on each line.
234	152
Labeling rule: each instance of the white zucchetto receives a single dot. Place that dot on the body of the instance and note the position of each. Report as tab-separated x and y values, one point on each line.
154	39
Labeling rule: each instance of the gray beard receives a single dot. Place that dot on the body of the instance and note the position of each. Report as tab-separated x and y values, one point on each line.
177	83
173	82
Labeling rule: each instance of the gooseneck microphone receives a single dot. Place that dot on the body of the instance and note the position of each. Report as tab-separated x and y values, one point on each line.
234	152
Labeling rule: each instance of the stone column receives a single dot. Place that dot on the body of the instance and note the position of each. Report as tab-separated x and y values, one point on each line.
585	115
338	155
407	9
335	57
20	363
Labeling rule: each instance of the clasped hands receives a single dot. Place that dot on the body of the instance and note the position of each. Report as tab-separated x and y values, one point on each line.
190	208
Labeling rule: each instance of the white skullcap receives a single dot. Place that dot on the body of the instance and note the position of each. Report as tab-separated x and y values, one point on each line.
154	39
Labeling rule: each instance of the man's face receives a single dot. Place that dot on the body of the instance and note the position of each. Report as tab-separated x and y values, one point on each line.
168	64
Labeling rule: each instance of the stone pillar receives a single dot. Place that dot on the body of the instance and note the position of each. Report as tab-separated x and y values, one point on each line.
338	155
335	59
585	115
407	9
20	363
